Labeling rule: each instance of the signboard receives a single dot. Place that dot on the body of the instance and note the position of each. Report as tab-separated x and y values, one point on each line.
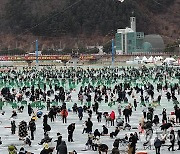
48	57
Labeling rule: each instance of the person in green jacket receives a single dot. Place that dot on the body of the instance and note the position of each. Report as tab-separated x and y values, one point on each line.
12	149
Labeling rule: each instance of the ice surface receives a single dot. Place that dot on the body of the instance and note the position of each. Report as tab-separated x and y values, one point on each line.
79	138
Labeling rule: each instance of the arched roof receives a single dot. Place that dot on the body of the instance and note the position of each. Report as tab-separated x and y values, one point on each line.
156	42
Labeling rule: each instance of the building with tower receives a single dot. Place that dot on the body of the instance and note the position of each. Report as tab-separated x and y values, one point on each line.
129	41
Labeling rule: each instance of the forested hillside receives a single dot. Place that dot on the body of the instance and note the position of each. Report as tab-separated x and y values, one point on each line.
73	18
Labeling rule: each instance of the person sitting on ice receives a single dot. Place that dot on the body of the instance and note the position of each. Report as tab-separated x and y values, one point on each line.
46	139
97	133
47	149
14	114
103	148
85	108
156	120
12	149
28	141
89	141
105	130
95	144
22	151
127	126
115	133
166	126
20	109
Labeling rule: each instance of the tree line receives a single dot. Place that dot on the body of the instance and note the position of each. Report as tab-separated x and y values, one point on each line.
86	17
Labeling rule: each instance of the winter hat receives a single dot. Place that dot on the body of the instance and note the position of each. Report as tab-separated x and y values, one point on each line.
46	146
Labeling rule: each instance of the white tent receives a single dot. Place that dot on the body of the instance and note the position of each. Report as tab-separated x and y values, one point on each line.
160	57
144	59
137	58
169	60
156	58
151	59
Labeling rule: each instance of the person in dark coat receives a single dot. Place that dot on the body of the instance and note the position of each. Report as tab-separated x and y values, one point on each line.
30	110
164	116
156	120
115	150
116	143
99	116
178	138
150	116
51	114
89	125
62	148
80	113
45	119
97	133
133	141
46	139
177	113
172	140
32	128
71	129
14	114
0	141
126	113
48	104
105	130
115	133
103	148
168	95
96	107
157	145
135	104
46	128
22	151
13	127
59	140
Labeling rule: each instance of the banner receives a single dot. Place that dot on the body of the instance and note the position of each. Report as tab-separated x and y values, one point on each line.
87	57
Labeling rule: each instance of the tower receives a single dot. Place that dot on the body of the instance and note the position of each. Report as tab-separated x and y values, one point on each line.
133	23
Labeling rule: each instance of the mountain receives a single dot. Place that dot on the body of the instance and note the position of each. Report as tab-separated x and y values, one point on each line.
85	21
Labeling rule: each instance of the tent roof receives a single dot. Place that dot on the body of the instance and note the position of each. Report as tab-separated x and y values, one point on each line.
144	58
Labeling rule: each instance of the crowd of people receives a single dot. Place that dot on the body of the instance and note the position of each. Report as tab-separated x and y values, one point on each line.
47	95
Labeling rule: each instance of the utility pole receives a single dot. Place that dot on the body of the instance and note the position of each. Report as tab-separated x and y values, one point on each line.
36	54
112	52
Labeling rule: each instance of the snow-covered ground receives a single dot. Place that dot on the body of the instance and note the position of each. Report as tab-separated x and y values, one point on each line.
79	138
